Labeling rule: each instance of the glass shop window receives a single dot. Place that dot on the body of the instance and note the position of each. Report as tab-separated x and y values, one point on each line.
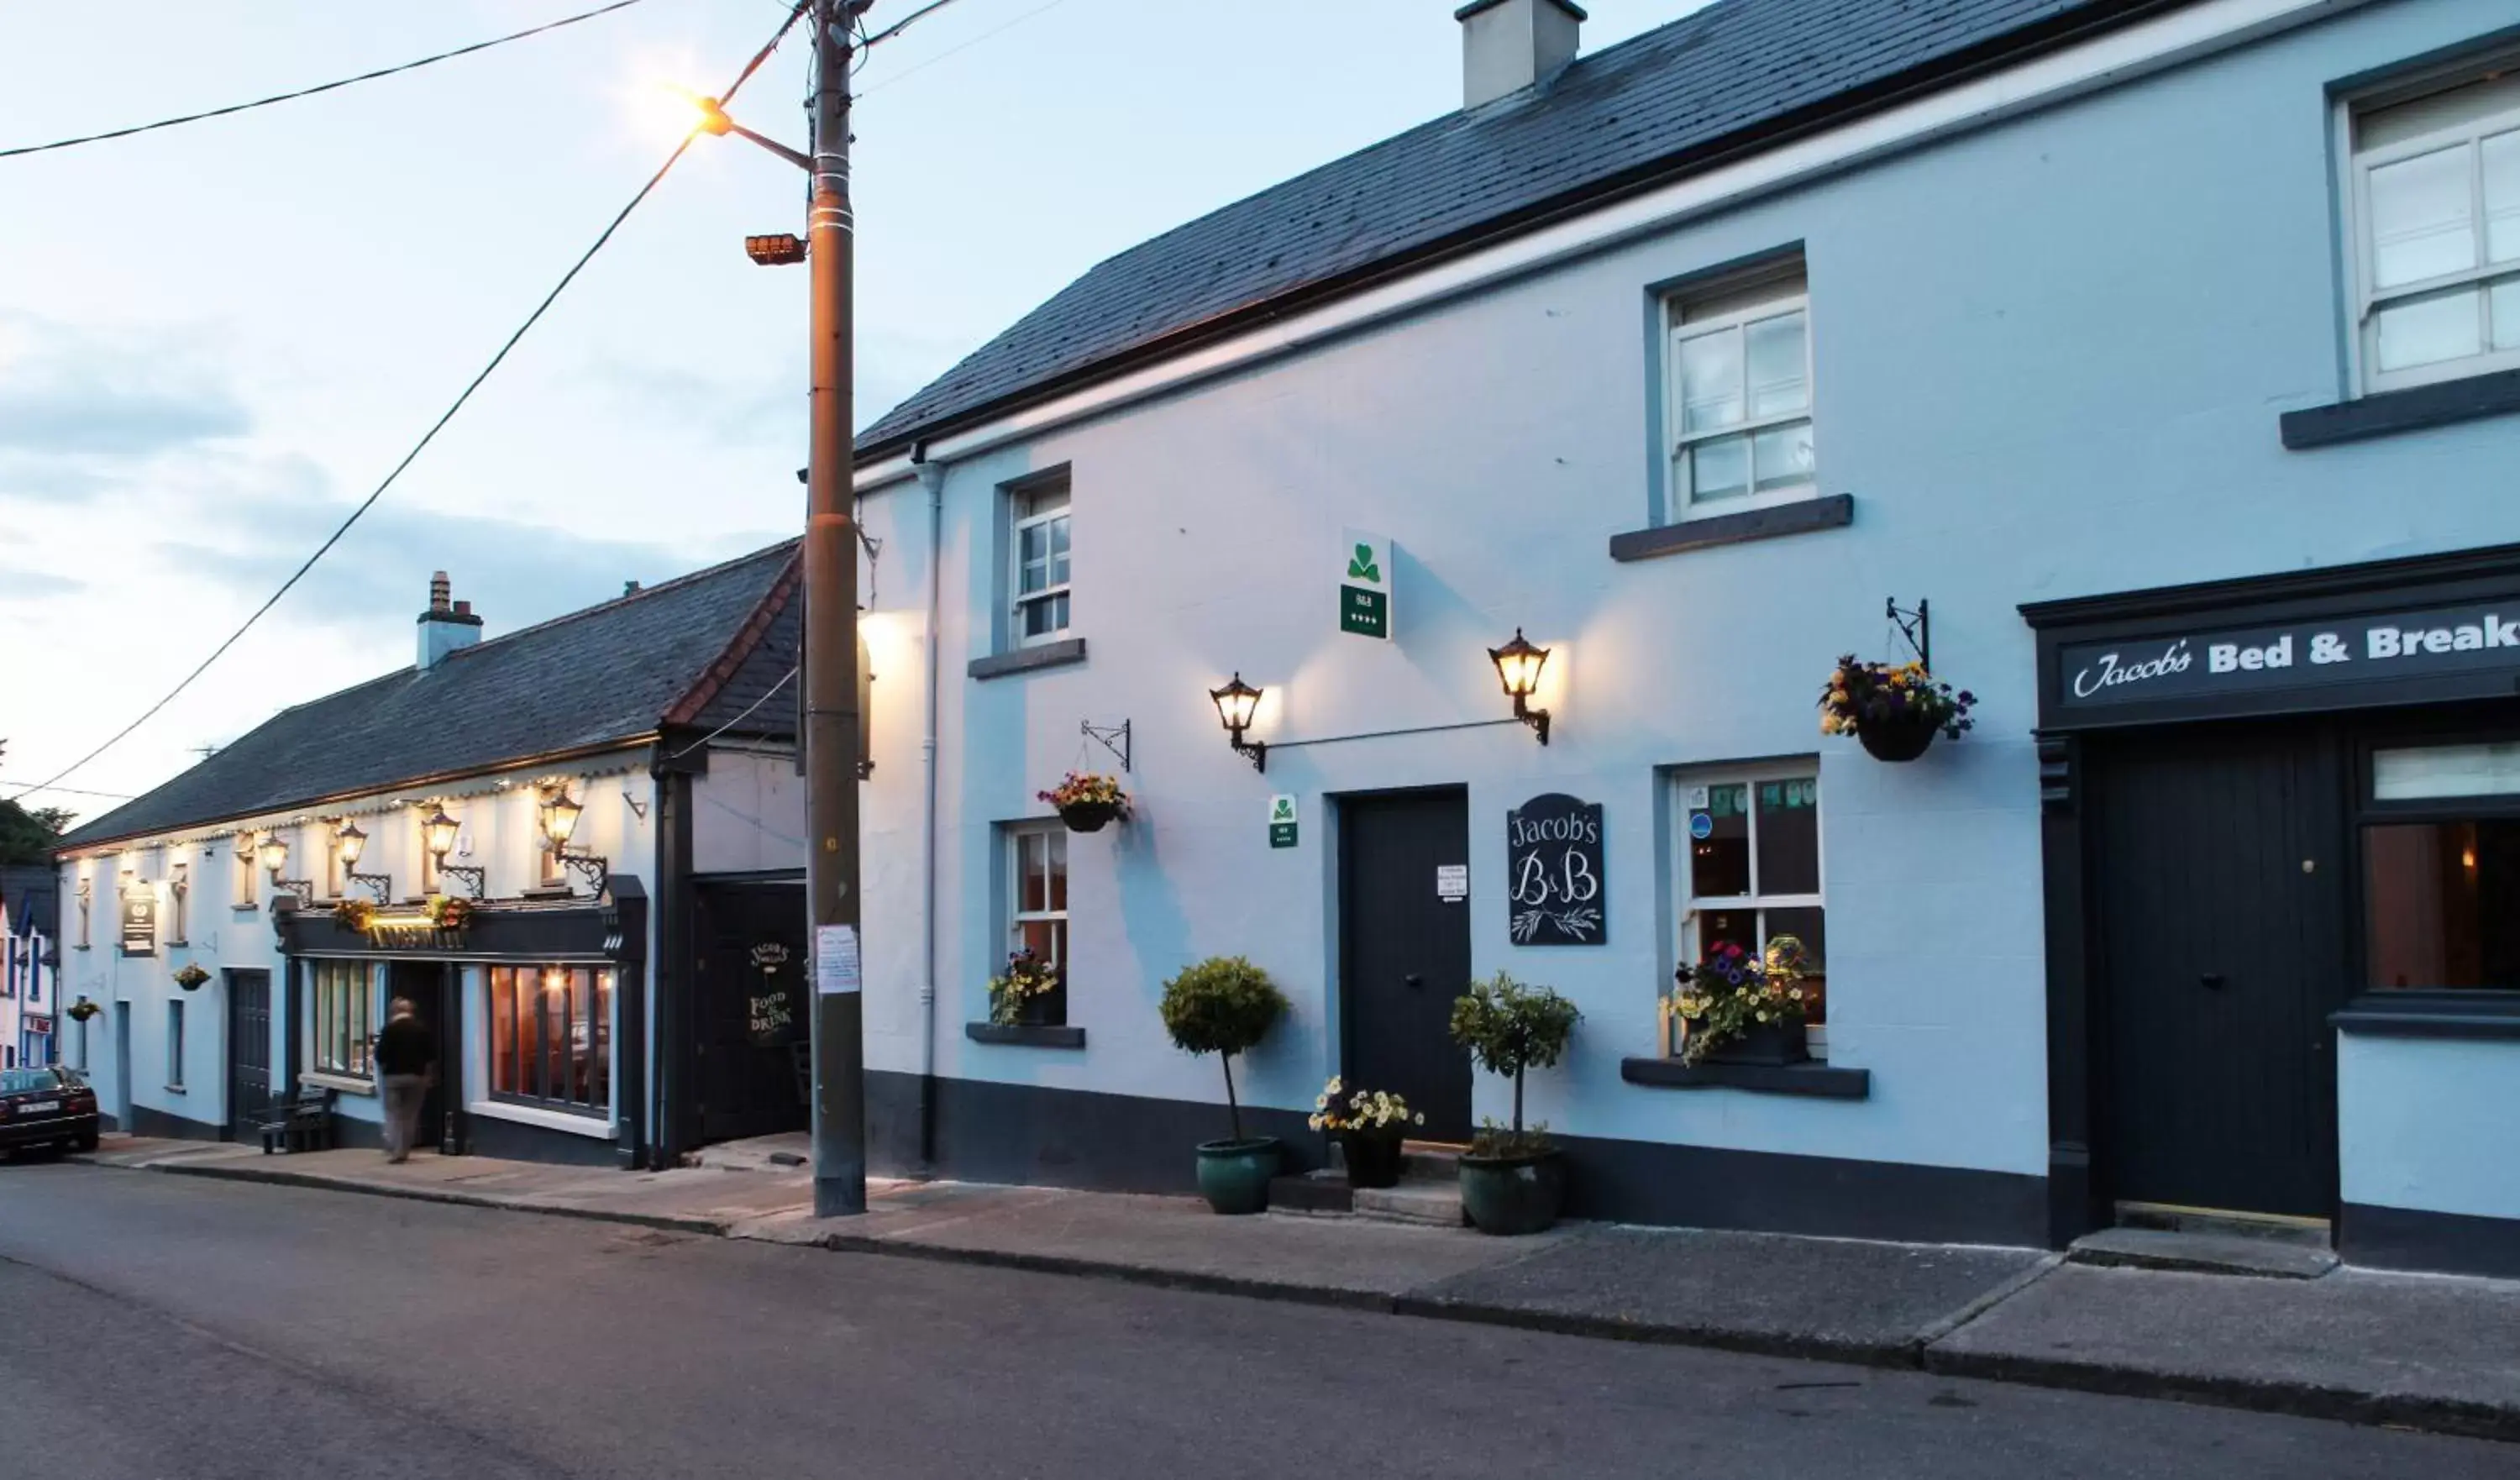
2440	888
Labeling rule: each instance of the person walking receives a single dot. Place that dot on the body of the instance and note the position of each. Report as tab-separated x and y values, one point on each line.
406	1054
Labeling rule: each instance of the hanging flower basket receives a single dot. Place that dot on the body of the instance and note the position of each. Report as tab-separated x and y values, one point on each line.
83	1010
354	915
192	976
1087	801
1894	710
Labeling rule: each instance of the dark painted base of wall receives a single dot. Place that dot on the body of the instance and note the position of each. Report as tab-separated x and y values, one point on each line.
147	1122
504	1139
1009	1133
2449	1243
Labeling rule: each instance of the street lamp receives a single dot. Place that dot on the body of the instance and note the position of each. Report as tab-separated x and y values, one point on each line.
1235	705
833	896
1518	664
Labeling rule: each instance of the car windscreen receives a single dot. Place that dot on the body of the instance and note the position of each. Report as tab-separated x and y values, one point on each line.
19	1081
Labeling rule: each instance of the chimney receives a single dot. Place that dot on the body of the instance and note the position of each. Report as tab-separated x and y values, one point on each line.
446	625
1509	45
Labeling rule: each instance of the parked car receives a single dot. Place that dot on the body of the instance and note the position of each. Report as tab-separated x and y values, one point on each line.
46	1107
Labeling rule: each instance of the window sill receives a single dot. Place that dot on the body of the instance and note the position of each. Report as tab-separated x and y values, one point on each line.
344	1082
596	1124
2443	403
1800	517
1814	1079
1025	1035
2431	1014
175	1089
1057	654
235	909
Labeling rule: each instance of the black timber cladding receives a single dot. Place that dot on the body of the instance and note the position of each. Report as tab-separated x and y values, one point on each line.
1736	76
604	674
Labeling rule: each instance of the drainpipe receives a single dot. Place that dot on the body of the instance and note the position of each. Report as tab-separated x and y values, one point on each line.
932	476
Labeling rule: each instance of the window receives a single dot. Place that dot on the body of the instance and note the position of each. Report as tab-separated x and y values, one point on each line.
2435	189
1750	866
1040	576
179	888
246	894
174	1045
1037	893
1740	386
551	1037
86	909
344	1017
2441	868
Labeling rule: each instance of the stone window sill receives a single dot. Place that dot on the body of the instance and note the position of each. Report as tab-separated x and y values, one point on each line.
343	1083
2441	404
1057	654
2468	1014
1815	1079
1025	1035
1831	512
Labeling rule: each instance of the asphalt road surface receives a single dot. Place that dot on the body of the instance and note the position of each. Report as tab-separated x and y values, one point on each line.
176	1328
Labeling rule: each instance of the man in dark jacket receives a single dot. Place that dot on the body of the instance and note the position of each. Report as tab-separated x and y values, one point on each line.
406	1054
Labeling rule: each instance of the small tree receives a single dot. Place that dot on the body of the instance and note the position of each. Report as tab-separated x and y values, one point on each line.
1509	1027
1221	1005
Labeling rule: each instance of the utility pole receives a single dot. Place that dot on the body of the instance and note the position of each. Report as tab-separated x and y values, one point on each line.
831	874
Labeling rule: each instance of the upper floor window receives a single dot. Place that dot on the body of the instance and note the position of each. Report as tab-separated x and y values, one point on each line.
1740	384
247	890
1039	545
2436	189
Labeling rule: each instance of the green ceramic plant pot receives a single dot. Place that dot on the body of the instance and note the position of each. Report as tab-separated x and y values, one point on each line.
1234	1174
1513	1195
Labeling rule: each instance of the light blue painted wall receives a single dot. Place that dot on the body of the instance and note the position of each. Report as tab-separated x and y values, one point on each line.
2427	1124
2050	360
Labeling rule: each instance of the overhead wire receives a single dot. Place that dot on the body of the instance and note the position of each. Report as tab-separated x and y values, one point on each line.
431	435
951	51
321	87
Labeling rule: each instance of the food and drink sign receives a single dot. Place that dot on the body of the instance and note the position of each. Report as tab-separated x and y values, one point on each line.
1553	860
1365	584
2447	641
770	1010
139	919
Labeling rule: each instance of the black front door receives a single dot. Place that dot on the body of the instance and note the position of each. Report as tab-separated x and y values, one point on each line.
430	987
2219	877
249	1087
1405	951
750	1009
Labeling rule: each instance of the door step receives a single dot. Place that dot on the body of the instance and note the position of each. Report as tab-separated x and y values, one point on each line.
1429	1191
1422	1201
2204	1253
2269	1227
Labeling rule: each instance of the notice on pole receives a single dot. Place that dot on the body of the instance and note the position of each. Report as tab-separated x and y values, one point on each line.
836	961
1281	820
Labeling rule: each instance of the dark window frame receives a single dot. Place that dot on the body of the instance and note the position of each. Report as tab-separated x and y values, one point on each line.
556	1057
2364	811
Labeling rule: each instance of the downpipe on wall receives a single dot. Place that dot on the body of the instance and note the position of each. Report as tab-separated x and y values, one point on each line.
932	476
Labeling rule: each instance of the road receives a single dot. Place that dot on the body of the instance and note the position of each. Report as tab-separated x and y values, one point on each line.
164	1327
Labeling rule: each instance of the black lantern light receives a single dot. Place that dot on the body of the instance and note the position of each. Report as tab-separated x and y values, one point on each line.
1235	704
1518	664
352	842
442	832
560	824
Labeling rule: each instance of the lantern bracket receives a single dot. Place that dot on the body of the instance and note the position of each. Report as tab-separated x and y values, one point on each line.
1917	626
1113	738
476	878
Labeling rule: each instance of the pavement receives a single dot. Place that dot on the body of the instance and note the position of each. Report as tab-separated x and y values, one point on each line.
228	1330
2431	1353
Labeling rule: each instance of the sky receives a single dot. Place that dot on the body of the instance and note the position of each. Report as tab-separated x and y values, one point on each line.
215	340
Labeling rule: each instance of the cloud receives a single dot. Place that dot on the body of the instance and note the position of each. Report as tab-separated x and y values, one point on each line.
81	408
36	585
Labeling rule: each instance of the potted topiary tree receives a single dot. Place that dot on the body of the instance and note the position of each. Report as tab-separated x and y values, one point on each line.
1224	1005
1512	1179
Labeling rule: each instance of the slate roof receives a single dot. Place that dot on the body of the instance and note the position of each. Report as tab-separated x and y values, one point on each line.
31	896
611	672
1699	90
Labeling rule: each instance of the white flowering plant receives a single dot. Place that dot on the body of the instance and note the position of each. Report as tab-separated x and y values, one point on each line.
1340	1110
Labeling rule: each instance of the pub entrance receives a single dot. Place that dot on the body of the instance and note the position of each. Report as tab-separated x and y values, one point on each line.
750	1007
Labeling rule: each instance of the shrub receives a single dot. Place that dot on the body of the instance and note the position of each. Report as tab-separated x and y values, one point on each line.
1221	1005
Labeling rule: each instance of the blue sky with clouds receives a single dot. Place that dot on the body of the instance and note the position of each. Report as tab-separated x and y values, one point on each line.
215	340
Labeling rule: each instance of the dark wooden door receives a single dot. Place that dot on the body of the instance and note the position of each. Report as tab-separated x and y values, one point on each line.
751	1007
2219	876
1404	952
249	1086
432	988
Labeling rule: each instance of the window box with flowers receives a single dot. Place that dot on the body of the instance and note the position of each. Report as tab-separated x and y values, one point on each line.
1894	710
1088	801
1735	1007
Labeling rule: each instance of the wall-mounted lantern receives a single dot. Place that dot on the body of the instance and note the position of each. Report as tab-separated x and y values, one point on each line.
1235	704
560	824
273	855
1518	664
440	831
353	842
